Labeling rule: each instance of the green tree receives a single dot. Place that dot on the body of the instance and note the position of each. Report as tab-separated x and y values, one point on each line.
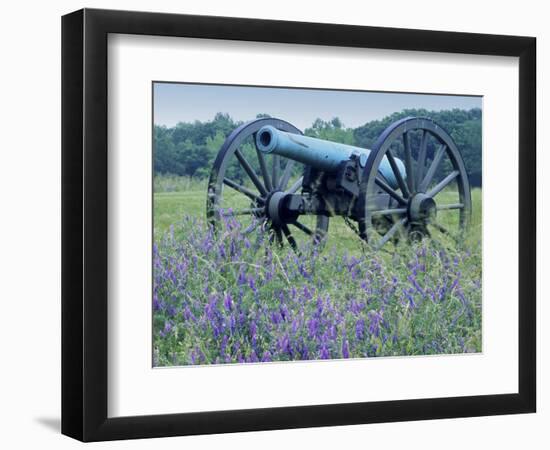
332	130
191	148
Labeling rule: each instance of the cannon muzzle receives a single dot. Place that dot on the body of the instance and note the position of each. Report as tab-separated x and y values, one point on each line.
318	153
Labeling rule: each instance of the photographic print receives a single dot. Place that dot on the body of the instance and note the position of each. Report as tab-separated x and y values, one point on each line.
296	224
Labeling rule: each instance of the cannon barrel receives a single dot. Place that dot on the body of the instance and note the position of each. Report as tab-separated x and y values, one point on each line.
318	153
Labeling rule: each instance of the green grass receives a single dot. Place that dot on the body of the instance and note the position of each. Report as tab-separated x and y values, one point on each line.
171	207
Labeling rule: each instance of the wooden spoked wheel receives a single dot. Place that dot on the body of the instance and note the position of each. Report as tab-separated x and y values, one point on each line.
246	186
430	198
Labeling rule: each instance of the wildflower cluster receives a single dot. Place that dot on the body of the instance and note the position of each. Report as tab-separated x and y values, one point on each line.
219	298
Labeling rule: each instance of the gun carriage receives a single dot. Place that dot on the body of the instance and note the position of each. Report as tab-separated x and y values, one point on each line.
289	186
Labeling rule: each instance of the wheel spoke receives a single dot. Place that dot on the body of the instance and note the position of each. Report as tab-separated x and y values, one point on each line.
397	174
251	195
439	227
241	212
422	157
250	171
391	232
297	184
286	175
432	169
389	212
389	190
442	184
319	235
289	236
278	236
263	169
275	170
408	162
450	206
302	227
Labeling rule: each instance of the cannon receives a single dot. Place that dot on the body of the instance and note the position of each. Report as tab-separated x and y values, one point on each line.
323	155
412	183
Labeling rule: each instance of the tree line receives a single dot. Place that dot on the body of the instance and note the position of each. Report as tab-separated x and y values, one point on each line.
190	148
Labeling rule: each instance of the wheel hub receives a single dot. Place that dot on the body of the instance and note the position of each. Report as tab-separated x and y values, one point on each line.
421	208
278	208
273	205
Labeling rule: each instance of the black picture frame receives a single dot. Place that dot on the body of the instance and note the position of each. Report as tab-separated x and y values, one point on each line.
84	224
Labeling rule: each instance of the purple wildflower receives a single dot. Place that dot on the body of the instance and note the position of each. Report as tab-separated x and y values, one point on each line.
324	353
360	329
345	348
228	302
375	319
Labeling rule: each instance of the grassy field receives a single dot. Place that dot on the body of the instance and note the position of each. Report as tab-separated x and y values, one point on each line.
188	198
216	300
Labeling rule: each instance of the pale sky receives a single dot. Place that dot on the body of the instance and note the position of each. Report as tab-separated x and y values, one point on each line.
179	102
